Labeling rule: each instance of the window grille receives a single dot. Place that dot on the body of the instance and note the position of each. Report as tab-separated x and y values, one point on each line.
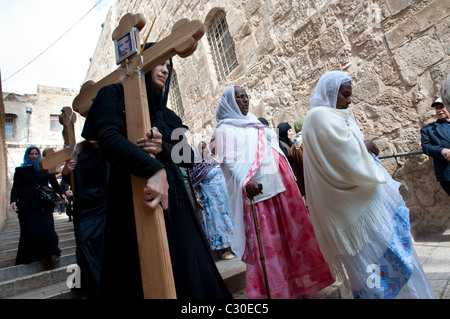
175	95
10	124
222	45
54	123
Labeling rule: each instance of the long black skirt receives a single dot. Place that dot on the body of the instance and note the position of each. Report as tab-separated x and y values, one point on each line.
38	238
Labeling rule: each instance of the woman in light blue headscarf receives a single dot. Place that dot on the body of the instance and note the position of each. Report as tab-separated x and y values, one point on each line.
38	239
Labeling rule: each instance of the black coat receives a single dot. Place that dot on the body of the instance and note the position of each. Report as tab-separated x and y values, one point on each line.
89	216
38	239
195	273
434	139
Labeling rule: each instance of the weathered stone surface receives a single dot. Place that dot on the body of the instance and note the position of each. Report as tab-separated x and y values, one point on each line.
417	56
395	6
427	17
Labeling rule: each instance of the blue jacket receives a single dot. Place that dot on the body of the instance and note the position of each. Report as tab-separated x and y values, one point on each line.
435	137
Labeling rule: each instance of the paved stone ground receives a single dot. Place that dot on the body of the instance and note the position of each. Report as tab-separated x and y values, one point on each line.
434	254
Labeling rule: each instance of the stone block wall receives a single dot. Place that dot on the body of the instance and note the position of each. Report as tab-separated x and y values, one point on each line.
396	51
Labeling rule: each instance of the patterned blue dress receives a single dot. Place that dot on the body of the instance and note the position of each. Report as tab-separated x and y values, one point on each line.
392	272
217	221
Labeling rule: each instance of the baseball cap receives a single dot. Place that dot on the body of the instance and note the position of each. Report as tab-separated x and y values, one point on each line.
438	101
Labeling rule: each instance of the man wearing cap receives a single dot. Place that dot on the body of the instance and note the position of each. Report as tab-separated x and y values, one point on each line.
436	143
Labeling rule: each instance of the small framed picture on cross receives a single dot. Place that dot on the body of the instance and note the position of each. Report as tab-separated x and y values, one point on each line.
126	45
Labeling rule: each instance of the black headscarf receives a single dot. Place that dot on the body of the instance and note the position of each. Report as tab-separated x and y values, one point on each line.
283	129
161	116
263	121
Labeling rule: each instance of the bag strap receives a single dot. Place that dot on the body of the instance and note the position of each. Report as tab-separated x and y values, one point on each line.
33	177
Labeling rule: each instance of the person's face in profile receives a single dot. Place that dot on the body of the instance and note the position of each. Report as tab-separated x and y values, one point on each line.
159	75
344	96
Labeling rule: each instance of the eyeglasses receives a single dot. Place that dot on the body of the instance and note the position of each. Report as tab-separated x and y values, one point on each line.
243	96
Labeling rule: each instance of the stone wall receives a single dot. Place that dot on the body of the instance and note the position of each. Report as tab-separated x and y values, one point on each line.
396	51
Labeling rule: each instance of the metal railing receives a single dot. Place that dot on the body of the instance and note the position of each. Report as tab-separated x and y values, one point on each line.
395	155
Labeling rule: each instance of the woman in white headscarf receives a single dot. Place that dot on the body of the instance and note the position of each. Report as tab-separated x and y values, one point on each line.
254	167
359	217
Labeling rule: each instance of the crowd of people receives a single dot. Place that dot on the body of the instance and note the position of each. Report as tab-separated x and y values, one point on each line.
301	208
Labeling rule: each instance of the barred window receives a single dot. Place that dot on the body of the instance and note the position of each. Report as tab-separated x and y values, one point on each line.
10	125
175	95
54	123
222	45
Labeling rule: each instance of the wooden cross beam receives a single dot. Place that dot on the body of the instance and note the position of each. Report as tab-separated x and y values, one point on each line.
156	268
182	41
68	119
50	159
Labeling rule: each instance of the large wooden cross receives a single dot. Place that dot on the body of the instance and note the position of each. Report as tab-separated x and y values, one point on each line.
156	268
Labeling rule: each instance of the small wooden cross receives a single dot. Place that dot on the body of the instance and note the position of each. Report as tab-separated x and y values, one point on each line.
50	159
156	268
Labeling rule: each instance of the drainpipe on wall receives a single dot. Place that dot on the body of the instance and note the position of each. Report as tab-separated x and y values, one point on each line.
28	110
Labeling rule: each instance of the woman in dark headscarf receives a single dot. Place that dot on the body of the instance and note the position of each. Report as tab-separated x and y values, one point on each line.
285	134
194	270
38	239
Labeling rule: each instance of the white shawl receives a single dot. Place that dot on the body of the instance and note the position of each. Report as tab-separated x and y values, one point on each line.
341	177
235	144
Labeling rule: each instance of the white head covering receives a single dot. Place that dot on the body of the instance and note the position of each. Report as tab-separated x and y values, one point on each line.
228	108
326	91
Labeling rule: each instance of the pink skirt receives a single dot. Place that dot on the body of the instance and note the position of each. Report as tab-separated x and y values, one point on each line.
295	266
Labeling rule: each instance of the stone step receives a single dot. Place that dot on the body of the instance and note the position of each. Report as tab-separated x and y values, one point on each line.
11	261
62	235
13	220
30	282
54	291
11	253
13	242
13	245
233	272
14	235
41	283
16	227
17	271
51	284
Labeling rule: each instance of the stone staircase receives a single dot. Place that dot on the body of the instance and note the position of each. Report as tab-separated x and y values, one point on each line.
39	280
